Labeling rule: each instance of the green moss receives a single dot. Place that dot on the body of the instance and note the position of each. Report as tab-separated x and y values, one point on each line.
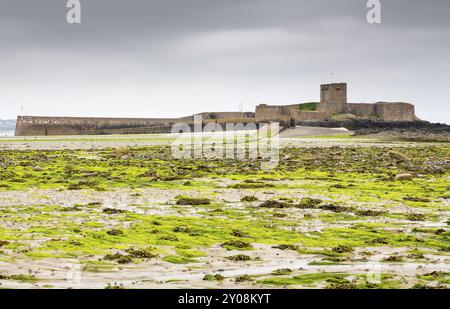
21	278
275	204
282	272
98	266
211	277
176	259
243	278
249	198
350	191
182	200
305	280
342	249
236	244
256	185
239	258
322	263
439	276
190	253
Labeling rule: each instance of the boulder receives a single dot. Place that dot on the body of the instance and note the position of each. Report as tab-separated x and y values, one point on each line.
404	176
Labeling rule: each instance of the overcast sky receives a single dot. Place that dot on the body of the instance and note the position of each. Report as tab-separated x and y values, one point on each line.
169	58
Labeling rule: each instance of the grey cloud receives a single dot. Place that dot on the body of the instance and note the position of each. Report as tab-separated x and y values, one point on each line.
169	57
44	21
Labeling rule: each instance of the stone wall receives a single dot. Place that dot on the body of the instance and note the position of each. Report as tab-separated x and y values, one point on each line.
364	110
395	111
333	100
36	126
385	111
300	116
227	115
271	112
288	113
42	126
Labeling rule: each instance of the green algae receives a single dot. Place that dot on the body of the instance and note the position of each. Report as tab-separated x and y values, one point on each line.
149	166
333	280
352	192
176	259
305	280
90	238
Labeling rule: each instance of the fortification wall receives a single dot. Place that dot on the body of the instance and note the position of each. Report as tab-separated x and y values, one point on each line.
288	113
298	115
268	112
364	110
395	111
35	126
42	126
227	115
333	100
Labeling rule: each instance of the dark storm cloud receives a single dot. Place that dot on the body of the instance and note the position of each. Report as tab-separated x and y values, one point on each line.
212	54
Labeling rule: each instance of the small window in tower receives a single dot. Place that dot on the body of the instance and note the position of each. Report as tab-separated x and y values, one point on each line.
338	88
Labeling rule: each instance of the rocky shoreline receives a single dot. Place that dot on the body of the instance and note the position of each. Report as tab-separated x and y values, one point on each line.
410	131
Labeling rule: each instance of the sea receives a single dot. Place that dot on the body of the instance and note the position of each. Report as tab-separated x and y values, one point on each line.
4	133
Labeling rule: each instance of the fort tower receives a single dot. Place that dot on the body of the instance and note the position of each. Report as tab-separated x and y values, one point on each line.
333	98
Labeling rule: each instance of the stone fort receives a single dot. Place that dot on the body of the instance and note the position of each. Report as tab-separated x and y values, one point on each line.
333	103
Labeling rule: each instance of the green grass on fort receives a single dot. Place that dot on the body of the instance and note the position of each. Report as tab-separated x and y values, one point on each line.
308	107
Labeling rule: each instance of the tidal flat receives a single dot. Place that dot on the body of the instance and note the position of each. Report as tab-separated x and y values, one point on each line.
121	212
